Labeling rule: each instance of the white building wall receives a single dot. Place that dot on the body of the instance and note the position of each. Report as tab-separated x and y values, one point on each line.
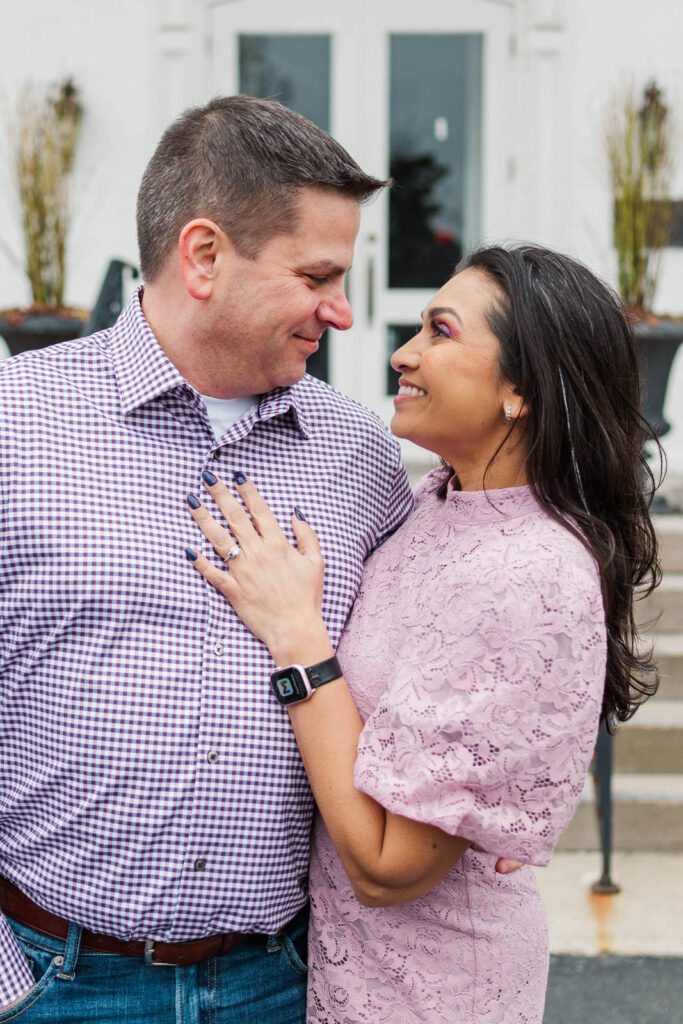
138	62
613	42
573	56
106	47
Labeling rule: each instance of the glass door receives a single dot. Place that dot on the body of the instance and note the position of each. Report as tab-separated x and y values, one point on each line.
415	92
442	79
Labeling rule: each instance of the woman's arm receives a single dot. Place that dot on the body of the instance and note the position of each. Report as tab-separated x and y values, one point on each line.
388	858
277	591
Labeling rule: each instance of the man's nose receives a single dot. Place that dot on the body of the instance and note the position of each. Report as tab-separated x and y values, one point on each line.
336	312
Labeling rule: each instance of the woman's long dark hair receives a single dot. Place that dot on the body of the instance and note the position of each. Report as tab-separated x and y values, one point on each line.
568	348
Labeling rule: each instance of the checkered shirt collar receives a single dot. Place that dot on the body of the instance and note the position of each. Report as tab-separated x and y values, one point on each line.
144	372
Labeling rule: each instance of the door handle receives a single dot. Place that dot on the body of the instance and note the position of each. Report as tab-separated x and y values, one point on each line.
370	291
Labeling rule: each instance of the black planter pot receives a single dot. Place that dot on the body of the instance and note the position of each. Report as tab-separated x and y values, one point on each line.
37	330
658	346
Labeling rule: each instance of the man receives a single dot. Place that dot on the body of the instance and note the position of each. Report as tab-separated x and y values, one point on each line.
154	813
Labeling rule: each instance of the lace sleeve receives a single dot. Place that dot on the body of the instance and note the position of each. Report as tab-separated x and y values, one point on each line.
487	727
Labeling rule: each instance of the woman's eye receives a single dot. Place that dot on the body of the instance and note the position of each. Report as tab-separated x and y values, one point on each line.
440	330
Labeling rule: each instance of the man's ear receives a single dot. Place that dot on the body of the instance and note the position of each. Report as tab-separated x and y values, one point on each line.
199	245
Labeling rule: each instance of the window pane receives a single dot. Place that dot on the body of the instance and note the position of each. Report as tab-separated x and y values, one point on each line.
292	69
435	155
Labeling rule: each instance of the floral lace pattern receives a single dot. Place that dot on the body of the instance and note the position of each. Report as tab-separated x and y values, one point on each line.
476	655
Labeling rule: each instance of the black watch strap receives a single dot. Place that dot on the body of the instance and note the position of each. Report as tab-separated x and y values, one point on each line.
324	672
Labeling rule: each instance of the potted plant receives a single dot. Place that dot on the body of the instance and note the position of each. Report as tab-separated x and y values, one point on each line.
639	137
44	143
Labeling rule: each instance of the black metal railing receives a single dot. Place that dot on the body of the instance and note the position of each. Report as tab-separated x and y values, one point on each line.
601	769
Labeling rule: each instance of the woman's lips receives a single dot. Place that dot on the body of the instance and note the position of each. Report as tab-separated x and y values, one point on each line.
408	393
402	399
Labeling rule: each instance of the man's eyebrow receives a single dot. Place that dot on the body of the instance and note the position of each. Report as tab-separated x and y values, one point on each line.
440	310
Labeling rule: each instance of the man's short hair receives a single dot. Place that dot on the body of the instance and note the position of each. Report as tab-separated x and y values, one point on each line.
240	162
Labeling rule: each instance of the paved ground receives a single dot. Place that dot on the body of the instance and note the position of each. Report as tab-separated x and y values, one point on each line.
616	959
615	990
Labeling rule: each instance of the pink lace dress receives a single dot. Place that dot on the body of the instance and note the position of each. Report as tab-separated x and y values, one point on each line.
476	655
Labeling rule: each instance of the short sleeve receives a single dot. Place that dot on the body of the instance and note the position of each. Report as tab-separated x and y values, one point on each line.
488	724
398	505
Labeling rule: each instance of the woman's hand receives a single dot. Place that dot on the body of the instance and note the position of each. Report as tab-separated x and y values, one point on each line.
275	589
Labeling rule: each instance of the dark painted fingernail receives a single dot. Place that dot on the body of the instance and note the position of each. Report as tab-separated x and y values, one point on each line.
299	514
239	478
209	478
190	555
193	502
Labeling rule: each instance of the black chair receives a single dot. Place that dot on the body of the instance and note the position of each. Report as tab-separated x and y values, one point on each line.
110	300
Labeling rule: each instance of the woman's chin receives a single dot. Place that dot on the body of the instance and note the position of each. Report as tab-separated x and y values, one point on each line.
398	428
406	435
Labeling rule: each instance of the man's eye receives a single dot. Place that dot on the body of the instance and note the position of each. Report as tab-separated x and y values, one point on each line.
318	280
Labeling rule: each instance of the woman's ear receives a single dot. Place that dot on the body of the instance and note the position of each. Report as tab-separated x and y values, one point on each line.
514	405
199	245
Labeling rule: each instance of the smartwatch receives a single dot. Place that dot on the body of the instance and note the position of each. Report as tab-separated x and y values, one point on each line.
295	683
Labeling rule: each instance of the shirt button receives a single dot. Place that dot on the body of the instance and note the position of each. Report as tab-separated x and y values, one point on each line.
200	864
218	650
216	455
212	756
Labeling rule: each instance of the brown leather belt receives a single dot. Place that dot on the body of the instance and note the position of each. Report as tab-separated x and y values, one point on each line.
171	954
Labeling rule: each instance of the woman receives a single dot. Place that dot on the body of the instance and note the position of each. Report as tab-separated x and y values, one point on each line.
490	633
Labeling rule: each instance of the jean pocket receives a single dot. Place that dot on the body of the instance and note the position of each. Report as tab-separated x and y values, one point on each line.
294	944
41	986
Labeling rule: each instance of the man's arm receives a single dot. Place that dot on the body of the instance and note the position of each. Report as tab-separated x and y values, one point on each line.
398	505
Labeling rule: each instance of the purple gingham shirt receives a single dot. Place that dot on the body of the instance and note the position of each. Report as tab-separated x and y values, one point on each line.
150	784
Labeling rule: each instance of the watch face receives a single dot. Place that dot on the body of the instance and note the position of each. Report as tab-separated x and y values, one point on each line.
289	685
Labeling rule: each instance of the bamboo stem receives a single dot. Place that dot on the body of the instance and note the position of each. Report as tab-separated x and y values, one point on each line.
46	138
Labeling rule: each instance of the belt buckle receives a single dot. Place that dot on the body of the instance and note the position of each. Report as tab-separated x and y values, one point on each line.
149	956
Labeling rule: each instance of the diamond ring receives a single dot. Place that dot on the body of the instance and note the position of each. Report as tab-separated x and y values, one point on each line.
233	552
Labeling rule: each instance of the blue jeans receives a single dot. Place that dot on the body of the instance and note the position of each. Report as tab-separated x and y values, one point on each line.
262	981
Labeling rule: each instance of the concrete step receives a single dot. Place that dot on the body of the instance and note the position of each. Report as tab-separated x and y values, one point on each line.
662	611
669	658
652	741
647	815
647	785
670	532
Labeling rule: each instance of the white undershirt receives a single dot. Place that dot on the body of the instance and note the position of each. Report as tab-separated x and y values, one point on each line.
223	412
